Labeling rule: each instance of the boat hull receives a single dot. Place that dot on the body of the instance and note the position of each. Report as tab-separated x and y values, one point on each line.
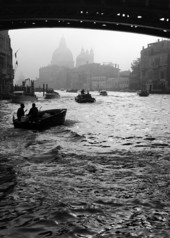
84	100
103	93
51	96
45	120
23	98
143	93
71	90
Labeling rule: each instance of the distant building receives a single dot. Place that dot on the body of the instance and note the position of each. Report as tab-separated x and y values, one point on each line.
85	57
119	83
61	72
53	75
96	76
6	67
155	66
62	56
56	74
124	80
112	79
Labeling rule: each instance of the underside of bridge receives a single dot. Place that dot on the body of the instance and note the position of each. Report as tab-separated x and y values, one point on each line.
151	17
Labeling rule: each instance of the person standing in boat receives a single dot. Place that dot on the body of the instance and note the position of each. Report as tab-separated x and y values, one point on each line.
82	92
20	112
33	113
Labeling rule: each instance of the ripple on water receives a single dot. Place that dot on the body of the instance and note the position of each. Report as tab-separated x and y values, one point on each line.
105	173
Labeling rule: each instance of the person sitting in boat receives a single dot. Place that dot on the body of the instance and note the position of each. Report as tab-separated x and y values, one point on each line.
88	95
20	112
82	92
33	113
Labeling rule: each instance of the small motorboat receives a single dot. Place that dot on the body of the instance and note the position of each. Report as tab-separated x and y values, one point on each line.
84	98
143	93
45	120
22	96
103	93
51	94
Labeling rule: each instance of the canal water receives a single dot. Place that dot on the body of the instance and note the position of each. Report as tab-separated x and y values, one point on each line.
104	173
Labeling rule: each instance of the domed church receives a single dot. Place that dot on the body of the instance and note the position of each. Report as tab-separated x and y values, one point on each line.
62	56
61	71
85	57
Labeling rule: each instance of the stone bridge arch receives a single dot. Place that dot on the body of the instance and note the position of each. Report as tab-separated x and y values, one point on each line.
149	17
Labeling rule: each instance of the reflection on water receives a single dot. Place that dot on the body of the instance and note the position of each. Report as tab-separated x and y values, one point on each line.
105	173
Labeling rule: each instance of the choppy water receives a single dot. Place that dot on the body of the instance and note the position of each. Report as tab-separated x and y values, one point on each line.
105	173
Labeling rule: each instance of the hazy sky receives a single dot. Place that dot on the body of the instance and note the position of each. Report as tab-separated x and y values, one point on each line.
36	47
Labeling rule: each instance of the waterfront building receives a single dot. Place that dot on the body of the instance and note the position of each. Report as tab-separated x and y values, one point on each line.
155	66
124	80
97	83
96	76
56	73
53	75
6	66
116	81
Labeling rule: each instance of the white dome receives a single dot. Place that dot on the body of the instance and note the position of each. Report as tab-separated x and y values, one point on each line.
62	56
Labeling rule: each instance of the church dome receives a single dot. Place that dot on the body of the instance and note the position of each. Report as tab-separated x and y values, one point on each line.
62	56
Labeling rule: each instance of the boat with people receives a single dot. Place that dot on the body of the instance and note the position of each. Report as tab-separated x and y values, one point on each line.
84	97
103	93
22	96
143	93
51	94
45	119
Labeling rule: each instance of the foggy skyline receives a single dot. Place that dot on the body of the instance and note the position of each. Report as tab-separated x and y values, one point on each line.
36	46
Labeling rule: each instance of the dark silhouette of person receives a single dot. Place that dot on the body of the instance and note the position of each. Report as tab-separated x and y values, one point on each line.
33	113
20	112
88	94
82	92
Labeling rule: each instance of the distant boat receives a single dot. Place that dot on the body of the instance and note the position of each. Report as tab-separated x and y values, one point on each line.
103	93
143	93
51	94
84	98
22	97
